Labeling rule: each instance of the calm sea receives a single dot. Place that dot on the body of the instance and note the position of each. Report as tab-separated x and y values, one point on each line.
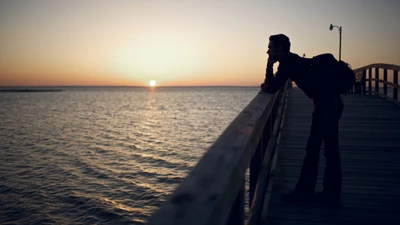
104	155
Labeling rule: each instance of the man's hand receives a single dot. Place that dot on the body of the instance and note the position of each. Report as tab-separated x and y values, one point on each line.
263	86
271	62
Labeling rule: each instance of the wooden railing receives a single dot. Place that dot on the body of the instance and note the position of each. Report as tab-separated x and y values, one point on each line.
213	193
365	75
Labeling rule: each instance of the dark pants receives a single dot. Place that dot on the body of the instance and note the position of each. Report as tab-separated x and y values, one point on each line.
324	128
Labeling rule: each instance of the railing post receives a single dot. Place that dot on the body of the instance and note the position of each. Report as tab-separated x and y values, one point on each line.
364	82
384	84
377	81
255	166
396	82
237	212
369	80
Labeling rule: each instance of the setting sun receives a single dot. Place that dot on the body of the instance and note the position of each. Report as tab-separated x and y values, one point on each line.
152	83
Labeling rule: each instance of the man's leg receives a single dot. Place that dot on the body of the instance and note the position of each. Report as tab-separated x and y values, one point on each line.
305	187
333	171
309	170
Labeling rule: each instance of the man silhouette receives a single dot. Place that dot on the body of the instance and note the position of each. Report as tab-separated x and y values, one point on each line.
328	107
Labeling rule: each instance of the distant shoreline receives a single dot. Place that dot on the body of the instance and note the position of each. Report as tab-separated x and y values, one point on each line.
29	90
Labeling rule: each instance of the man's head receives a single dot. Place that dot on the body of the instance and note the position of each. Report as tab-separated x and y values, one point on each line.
278	46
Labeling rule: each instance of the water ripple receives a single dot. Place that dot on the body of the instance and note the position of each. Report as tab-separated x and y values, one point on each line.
104	156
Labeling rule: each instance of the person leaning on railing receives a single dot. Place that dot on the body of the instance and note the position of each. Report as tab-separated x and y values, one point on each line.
328	107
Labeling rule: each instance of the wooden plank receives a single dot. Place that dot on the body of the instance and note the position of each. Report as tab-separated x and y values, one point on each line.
339	217
370	152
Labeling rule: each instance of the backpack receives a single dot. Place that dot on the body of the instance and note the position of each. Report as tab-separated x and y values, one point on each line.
326	69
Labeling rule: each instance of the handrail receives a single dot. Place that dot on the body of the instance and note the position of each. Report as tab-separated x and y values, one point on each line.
367	70
260	203
384	82
213	191
378	65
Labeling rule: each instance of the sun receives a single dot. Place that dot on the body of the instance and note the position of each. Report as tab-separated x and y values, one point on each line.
152	83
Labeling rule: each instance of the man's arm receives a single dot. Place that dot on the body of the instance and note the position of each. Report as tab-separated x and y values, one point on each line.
269	74
273	84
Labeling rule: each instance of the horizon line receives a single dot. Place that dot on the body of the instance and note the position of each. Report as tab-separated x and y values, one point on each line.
126	86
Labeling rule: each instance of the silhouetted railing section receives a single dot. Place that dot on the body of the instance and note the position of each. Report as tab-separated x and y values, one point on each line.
372	75
213	193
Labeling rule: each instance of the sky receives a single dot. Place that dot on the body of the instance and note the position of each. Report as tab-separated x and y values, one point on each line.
182	43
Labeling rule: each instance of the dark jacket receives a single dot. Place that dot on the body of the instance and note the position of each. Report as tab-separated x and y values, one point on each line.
295	68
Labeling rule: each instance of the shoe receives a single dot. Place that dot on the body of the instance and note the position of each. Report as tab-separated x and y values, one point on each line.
296	196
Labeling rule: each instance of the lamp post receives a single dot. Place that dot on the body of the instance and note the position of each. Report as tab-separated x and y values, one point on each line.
340	38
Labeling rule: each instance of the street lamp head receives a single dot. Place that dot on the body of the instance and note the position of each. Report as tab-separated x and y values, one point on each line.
331	27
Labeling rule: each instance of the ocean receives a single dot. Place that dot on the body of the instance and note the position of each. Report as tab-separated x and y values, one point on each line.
105	155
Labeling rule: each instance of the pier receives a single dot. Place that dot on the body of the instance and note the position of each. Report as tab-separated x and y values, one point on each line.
242	176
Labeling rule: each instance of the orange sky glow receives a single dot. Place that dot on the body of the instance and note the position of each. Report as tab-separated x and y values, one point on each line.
182	43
